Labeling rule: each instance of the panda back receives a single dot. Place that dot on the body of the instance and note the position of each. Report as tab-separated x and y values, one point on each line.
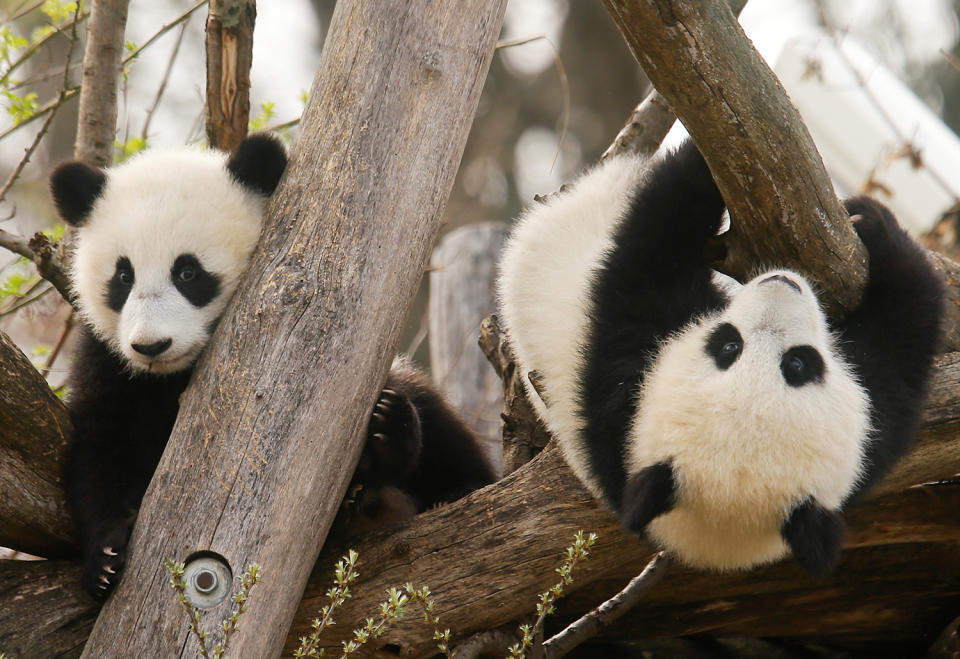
544	288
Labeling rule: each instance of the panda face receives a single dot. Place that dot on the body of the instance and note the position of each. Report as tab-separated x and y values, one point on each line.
159	254
787	332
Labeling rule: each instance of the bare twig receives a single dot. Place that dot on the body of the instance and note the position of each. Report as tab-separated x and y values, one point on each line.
163	82
25	302
67	326
561	75
492	641
285	124
595	621
162	31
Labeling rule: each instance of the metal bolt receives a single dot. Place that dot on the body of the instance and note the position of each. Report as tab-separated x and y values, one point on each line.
205	580
209	579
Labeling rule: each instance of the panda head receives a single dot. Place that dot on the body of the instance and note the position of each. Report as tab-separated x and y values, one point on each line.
161	242
760	377
773	328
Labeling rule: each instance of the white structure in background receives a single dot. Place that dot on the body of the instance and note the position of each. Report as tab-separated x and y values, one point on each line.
857	140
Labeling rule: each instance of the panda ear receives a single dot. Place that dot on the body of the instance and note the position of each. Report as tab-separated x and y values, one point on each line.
75	186
258	163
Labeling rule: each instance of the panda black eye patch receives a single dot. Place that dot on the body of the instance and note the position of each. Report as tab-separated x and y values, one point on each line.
194	282
724	345
801	365
120	285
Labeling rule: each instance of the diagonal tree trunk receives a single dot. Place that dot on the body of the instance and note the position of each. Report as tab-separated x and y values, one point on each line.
273	422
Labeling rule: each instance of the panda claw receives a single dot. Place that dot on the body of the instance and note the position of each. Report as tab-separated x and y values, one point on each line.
109	551
379	435
109	570
379	417
104	580
390	392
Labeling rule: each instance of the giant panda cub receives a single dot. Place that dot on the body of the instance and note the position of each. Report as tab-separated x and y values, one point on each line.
730	423
161	243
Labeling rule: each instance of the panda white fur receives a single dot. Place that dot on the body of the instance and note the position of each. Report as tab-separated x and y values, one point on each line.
730	423
161	243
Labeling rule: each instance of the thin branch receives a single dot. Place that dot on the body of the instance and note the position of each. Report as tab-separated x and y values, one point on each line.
46	109
596	620
31	50
162	31
26	302
67	326
163	82
561	74
20	11
285	124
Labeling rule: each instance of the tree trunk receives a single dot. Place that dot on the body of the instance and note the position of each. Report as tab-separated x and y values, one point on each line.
273	423
97	121
462	272
34	426
229	56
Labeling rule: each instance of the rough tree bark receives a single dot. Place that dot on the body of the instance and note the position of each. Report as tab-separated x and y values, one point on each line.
96	124
273	422
762	156
33	428
229	57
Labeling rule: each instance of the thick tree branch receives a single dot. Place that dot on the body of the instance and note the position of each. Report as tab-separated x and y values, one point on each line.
34	426
783	207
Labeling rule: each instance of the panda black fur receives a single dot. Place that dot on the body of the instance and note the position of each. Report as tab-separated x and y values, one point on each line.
729	423
160	245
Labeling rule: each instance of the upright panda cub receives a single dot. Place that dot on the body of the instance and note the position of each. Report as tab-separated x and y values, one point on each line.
161	244
732	424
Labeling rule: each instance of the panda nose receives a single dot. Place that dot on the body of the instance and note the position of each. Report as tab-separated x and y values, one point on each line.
783	279
152	349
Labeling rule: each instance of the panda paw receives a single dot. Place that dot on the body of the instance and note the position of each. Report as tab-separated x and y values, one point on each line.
649	493
875	225
815	536
104	562
394	440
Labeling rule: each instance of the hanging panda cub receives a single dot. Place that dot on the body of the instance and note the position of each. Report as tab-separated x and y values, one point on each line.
730	423
161	243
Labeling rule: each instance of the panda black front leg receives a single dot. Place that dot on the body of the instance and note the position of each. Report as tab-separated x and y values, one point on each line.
649	493
815	536
105	558
390	454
